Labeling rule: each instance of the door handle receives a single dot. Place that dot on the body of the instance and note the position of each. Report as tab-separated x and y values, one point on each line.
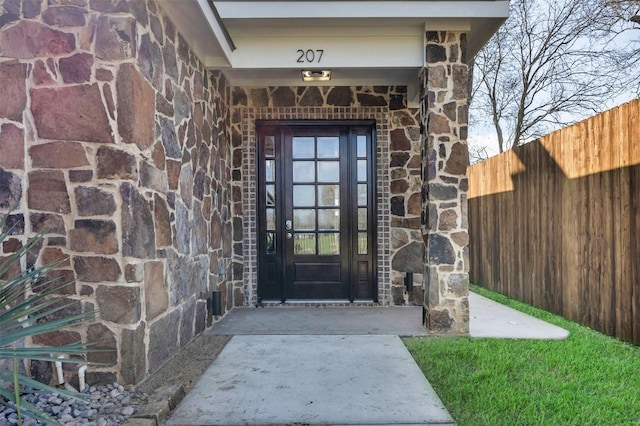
288	225
289	235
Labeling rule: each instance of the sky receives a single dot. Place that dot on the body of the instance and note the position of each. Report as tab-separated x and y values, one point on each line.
482	135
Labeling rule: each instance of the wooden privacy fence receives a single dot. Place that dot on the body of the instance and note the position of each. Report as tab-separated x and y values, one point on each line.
556	222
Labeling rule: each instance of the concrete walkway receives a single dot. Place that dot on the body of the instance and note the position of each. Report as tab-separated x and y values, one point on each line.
335	380
494	320
331	366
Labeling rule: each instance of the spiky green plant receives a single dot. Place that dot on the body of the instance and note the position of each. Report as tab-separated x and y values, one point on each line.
29	307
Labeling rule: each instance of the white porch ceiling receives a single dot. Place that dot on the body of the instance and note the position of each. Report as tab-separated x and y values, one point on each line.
268	43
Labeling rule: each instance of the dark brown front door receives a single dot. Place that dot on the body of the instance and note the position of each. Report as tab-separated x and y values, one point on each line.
316	212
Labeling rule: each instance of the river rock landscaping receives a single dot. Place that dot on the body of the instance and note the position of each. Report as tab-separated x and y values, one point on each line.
106	405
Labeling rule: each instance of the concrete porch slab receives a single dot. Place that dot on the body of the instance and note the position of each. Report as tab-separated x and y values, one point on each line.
401	321
312	379
487	319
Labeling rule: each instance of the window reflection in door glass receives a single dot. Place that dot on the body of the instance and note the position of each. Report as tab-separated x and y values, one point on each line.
304	196
271	219
328	219
271	242
362	243
304	243
362	146
328	171
303	171
270	170
328	147
362	194
329	244
269	146
303	147
304	219
362	219
362	170
328	195
271	195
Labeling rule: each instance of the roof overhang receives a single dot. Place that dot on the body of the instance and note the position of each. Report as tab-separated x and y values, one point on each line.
268	43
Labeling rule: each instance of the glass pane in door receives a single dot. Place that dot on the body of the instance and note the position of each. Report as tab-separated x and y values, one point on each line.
362	170
362	194
270	170
362	243
270	146
271	219
304	196
304	243
328	195
329	219
362	146
271	195
271	242
329	147
303	171
362	218
303	147
304	219
328	171
329	244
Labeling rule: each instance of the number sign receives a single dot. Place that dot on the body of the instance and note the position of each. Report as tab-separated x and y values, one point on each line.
309	56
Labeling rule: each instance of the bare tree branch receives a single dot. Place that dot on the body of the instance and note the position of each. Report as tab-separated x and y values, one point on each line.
553	62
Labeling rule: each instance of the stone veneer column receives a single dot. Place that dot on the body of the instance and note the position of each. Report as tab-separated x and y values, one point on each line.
444	109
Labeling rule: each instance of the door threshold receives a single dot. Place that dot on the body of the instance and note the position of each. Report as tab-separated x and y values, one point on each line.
316	303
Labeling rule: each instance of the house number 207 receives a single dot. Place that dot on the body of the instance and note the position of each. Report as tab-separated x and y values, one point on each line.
309	56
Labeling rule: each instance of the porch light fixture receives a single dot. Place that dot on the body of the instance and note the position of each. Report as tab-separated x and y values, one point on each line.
316	75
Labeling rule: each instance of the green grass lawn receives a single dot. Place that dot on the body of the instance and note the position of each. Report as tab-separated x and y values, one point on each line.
588	379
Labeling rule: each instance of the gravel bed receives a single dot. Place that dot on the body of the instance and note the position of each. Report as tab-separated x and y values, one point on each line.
107	405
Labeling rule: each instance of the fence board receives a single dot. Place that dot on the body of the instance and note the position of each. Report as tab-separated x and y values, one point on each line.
635	265
556	223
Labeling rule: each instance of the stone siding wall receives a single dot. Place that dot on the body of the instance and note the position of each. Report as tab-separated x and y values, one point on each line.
114	145
399	181
407	246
